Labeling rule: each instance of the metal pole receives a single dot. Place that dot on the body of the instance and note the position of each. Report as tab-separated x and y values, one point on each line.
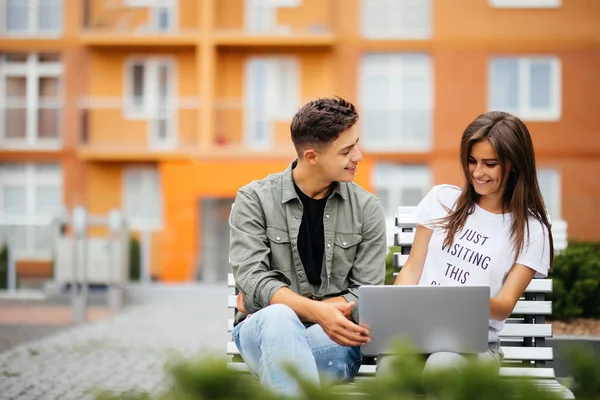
145	267
115	265
78	295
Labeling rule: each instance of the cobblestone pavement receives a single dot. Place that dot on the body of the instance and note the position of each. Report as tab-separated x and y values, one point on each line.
125	352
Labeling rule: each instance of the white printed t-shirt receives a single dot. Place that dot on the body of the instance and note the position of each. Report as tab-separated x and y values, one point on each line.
482	252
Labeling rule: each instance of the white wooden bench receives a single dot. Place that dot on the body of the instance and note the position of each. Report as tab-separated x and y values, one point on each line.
523	336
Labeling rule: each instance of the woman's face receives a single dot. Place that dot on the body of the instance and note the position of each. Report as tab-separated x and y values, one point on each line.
485	171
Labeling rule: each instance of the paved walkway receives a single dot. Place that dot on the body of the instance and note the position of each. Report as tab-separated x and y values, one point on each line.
124	352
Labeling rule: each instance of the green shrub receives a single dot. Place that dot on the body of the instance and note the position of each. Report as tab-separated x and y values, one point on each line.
134	259
389	265
209	378
576	282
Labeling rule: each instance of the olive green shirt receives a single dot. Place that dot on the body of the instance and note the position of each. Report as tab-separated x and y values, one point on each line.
265	220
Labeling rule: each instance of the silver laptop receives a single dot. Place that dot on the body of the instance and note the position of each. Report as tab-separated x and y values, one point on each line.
431	318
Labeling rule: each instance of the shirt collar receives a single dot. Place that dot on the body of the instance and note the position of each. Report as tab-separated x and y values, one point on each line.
289	192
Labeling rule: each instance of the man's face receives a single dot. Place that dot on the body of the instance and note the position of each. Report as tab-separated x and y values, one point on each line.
339	160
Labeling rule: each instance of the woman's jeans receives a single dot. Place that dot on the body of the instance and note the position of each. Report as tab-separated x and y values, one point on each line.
449	360
274	337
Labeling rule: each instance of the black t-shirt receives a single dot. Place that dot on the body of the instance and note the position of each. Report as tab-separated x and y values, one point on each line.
311	237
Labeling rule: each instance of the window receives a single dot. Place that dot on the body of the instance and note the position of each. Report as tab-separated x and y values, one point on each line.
213	263
142	198
396	19
272	93
162	14
549	180
525	3
529	87
31	192
261	15
400	185
396	96
30	100
32	17
150	94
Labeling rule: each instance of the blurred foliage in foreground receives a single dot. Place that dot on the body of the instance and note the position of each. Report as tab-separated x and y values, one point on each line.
209	378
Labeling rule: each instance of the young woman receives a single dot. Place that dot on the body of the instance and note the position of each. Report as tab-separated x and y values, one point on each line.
493	231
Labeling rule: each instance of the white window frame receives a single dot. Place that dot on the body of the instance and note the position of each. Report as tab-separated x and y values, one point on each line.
32	70
260	16
368	7
555	191
396	177
136	223
525	3
394	67
524	110
282	97
32	7
147	112
30	179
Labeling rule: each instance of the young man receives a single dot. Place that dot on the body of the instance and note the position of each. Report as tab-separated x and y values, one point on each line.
302	242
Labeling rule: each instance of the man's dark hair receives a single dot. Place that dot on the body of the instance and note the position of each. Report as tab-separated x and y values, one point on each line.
320	122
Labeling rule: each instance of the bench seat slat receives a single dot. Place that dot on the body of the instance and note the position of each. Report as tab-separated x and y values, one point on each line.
366	370
510	353
526	330
404	238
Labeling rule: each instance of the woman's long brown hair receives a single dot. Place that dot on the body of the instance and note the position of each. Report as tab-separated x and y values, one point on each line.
522	196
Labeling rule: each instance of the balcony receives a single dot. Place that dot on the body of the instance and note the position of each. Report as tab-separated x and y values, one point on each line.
110	131
140	22
260	23
244	132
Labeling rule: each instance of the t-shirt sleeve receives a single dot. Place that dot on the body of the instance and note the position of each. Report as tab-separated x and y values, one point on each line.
536	253
424	213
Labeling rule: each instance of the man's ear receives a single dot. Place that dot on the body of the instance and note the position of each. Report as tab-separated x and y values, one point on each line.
310	156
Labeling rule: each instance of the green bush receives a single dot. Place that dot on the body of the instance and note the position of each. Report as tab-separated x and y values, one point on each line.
576	282
134	259
389	265
209	378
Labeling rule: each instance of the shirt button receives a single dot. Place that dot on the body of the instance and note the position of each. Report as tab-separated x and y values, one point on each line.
327	216
277	237
344	243
328	244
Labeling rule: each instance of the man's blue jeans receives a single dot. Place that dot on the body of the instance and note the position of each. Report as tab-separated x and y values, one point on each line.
274	337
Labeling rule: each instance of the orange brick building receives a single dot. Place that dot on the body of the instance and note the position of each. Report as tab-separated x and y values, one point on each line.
165	108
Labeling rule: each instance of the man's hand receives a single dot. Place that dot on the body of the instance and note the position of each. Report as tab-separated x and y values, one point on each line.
240	303
342	300
332	318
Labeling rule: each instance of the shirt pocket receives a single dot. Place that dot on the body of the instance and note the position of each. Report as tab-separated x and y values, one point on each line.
344	252
281	249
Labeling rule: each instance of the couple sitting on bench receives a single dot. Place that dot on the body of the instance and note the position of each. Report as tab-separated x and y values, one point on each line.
304	240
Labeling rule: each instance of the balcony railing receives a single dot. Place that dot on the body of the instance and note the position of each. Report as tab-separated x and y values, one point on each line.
107	131
149	17
261	17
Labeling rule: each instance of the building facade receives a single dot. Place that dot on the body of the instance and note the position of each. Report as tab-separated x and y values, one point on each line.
164	108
